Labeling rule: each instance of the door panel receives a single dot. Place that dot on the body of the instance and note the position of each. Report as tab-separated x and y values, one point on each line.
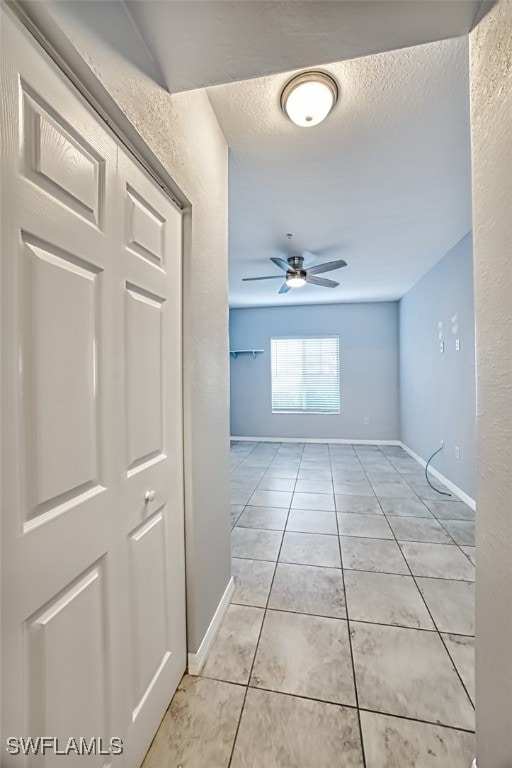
144	405
93	610
150	599
60	359
58	159
145	228
65	651
149	419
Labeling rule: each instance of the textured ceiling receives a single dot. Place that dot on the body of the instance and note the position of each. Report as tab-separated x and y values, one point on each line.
200	43
383	183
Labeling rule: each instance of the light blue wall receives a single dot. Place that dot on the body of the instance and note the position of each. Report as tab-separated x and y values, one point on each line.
368	366
437	390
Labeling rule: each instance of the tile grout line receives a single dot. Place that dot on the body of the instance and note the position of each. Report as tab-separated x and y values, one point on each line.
450	520
356	693
430	613
260	633
440	521
354	621
386	517
354	570
428	609
345	706
246	686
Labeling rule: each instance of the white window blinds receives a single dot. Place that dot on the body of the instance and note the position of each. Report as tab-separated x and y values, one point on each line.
305	375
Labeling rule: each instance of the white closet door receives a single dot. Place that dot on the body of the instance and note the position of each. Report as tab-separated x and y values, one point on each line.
149	424
93	619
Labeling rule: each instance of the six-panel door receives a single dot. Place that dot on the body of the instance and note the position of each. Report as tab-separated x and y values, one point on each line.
93	614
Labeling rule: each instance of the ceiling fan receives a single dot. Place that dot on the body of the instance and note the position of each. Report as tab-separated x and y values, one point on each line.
297	276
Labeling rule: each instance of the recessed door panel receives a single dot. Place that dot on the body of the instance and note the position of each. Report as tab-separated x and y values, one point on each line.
144	406
149	602
59	307
59	160
145	228
67	669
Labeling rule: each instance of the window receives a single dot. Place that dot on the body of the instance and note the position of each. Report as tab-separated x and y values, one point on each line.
305	375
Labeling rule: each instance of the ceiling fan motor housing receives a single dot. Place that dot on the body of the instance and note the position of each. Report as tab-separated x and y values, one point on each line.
296	262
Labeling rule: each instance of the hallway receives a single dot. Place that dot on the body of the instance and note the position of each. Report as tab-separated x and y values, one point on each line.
353	613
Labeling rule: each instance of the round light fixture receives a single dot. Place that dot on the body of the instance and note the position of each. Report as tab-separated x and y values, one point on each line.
296	280
309	97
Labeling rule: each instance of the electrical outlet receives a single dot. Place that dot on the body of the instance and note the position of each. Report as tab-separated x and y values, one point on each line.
441	346
457	345
442	443
366	419
457	452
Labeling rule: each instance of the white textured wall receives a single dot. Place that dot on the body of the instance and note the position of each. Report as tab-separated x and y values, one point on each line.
183	133
491	136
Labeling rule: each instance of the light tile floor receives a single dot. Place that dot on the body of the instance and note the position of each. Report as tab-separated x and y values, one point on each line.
349	640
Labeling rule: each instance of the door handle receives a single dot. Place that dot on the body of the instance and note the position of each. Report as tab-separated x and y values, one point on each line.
149	496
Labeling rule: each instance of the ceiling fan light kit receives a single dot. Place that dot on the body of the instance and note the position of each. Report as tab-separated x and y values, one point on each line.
309	97
296	280
297	277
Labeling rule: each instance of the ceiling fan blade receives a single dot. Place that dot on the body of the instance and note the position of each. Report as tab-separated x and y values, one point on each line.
284	288
281	263
321	281
326	267
266	277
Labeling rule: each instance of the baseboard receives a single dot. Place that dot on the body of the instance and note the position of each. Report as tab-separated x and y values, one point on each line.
197	660
451	486
335	440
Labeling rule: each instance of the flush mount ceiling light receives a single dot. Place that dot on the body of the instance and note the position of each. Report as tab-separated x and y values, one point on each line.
309	97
